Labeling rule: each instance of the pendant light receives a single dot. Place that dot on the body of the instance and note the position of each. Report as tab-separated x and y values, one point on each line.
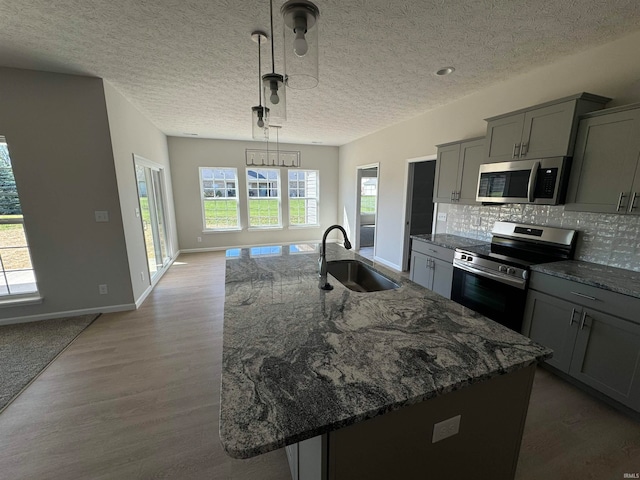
259	114
275	98
300	43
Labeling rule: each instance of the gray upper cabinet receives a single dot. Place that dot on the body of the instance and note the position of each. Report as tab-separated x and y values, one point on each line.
546	130
457	170
605	176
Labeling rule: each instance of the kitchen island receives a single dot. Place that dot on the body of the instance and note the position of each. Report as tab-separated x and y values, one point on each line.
360	379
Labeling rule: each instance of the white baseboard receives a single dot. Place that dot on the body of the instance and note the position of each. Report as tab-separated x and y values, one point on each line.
387	264
150	288
68	313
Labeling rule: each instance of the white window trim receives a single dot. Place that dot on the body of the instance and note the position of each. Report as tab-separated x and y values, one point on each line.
317	199
202	200
279	226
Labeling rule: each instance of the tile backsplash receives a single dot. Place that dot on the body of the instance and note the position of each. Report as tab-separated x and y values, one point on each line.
606	239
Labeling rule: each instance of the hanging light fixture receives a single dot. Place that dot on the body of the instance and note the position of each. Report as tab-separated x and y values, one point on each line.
259	114
300	43
275	97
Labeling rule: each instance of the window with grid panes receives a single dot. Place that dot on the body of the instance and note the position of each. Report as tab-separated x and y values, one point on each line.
263	188
303	197
219	190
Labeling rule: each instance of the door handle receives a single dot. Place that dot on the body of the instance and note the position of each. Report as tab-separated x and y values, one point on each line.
582	323
588	297
573	314
632	202
532	181
524	149
622	195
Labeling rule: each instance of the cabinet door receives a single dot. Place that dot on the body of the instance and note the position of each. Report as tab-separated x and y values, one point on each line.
607	356
634	199
548	131
503	135
472	155
421	271
605	160
446	173
442	277
553	323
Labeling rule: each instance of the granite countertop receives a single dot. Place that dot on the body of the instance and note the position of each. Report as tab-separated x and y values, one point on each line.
626	282
448	241
299	361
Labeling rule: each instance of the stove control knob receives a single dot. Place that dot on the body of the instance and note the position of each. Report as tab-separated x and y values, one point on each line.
502	268
469	258
463	257
511	271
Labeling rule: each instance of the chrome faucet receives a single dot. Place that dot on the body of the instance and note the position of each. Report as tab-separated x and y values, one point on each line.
322	261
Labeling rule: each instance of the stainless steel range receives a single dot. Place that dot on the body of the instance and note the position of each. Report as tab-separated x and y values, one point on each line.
492	279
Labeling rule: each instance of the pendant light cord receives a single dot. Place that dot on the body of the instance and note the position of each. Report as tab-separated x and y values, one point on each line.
273	61
259	71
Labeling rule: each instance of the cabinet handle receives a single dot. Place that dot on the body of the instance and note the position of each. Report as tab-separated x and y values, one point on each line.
524	149
573	314
457	196
516	150
451	196
622	195
632	202
582	323
588	297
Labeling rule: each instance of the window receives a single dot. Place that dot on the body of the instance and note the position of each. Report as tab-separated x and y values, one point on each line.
303	197
219	190
263	185
368	192
17	275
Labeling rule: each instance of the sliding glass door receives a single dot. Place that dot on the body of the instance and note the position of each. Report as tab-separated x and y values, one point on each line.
150	181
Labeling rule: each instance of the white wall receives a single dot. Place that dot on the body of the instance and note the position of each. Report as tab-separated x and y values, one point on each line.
188	154
132	133
58	135
612	70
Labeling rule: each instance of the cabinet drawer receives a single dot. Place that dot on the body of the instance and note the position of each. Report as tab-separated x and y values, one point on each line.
436	251
592	297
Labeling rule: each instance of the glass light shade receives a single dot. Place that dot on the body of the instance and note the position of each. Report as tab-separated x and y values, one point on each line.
275	98
260	123
300	43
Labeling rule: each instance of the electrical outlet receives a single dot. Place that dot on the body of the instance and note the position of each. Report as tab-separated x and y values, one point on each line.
446	428
442	217
476	221
142	276
137	212
199	239
103	289
101	215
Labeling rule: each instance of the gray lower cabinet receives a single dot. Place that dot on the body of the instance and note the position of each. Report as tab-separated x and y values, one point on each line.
432	267
598	348
308	459
605	175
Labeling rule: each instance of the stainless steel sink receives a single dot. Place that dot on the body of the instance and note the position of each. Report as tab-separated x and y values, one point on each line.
359	277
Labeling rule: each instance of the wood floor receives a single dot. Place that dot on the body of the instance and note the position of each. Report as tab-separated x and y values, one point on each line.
137	396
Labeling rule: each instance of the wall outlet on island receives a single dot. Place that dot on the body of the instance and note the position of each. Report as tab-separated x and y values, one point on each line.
103	289
476	221
446	428
442	217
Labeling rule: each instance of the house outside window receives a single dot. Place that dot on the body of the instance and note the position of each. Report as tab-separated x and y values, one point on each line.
303	198
219	193
263	188
17	277
368	193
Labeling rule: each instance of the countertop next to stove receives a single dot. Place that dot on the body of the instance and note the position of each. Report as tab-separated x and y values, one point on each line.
299	361
448	241
618	280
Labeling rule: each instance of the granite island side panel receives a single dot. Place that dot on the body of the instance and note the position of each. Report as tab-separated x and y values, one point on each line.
299	361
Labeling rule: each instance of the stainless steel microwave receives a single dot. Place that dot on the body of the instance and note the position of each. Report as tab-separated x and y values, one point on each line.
541	181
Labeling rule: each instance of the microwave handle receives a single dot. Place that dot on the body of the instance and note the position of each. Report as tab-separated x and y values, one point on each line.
532	180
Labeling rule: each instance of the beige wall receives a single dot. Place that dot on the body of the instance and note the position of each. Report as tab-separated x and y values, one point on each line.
132	133
58	135
188	154
612	70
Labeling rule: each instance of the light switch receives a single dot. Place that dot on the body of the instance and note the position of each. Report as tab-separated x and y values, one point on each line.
102	215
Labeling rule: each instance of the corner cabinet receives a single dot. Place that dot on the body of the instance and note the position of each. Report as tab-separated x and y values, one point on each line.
594	334
546	130
457	170
605	175
432	267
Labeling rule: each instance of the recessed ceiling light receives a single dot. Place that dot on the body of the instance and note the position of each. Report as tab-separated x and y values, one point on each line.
445	71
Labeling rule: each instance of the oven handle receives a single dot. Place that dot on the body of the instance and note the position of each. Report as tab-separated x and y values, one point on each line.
514	282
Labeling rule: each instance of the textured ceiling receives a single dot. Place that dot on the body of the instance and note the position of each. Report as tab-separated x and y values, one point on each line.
190	65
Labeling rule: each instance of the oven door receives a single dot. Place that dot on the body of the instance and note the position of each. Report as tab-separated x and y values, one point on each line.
501	302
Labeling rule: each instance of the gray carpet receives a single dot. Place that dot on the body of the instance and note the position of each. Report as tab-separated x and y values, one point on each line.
27	348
